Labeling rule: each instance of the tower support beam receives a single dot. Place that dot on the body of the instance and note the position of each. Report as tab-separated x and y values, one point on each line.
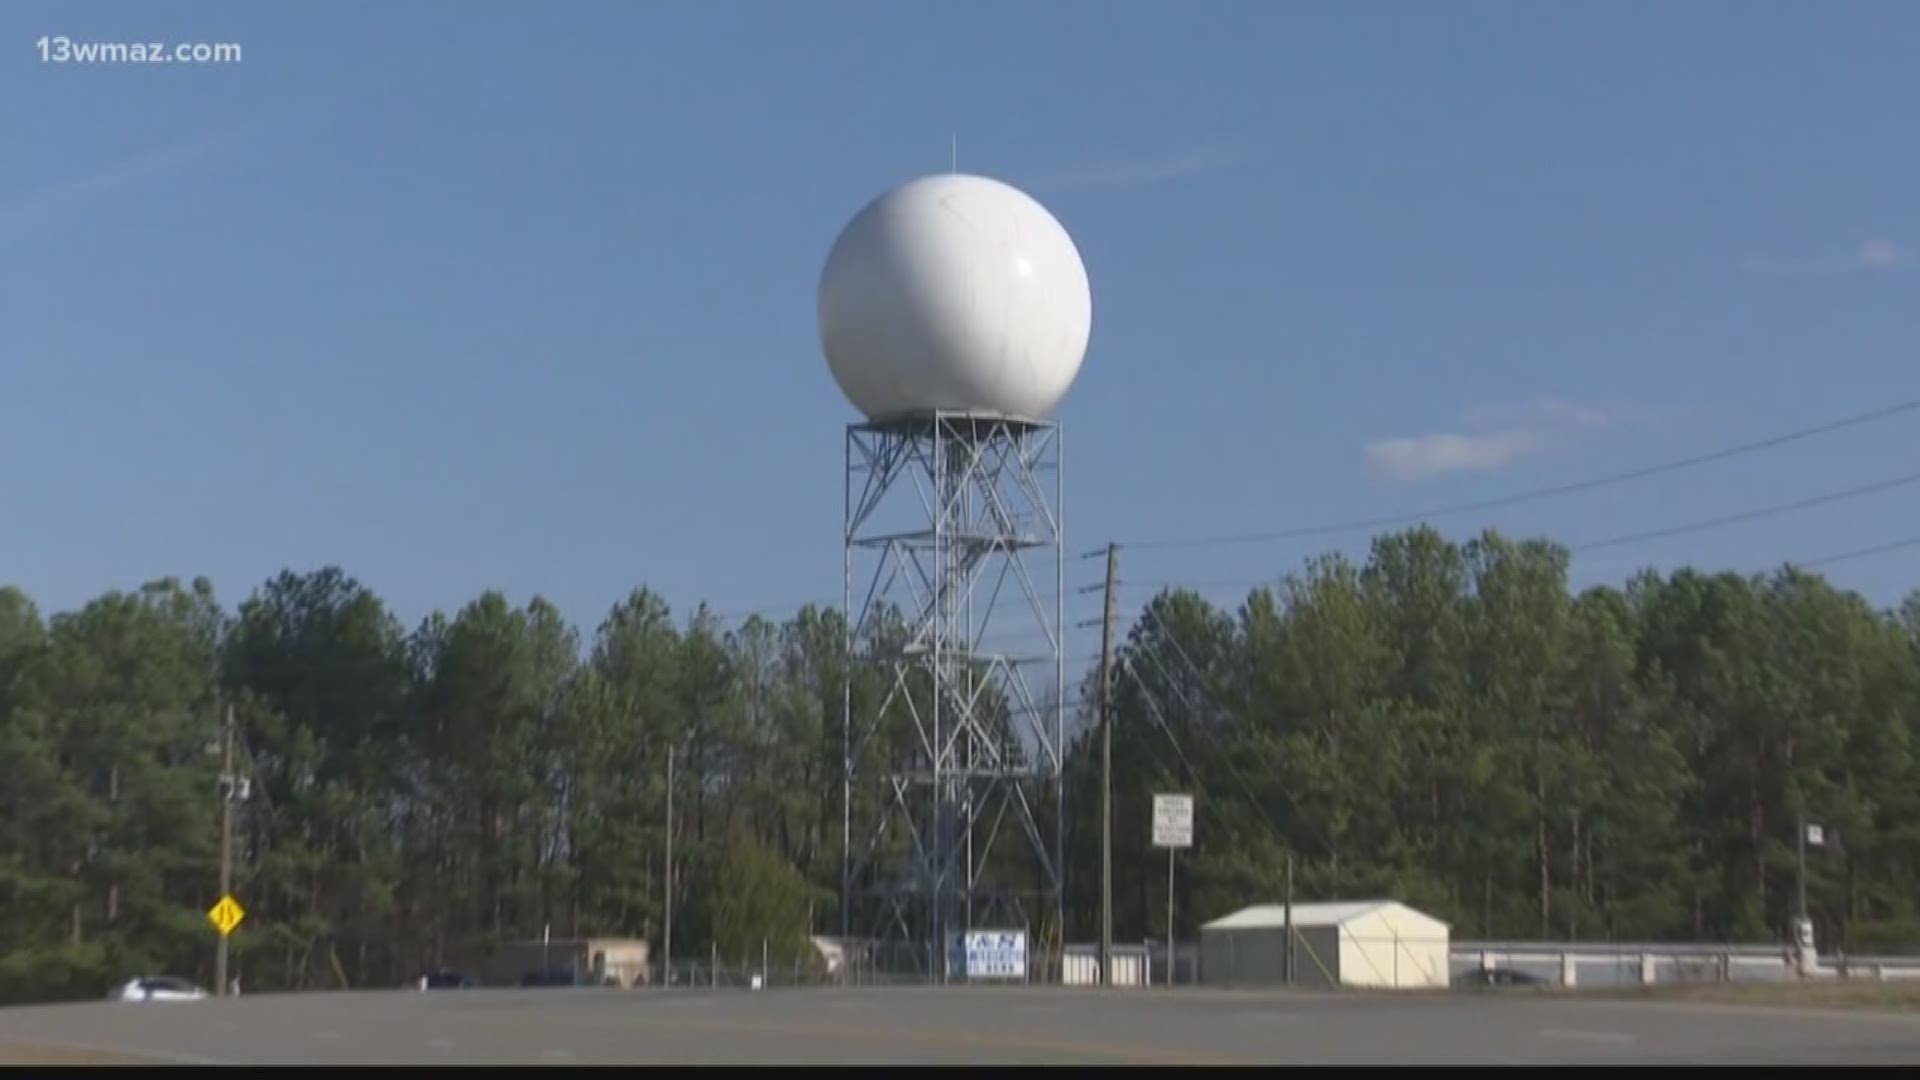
953	711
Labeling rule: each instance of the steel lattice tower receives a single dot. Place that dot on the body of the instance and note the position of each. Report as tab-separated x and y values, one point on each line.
952	736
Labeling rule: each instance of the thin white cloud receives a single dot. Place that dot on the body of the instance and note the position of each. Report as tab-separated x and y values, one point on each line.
1869	257
50	203
1496	436
1417	457
1157	168
1882	255
1538	411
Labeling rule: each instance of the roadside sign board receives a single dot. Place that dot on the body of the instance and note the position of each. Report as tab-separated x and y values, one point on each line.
1173	821
226	915
992	954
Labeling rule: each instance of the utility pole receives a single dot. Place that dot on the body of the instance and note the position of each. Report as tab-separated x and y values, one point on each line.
666	964
1806	954
1106	775
1801	845
1289	959
228	784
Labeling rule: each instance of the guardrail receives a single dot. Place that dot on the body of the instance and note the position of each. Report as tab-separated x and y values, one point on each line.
1575	964
1560	964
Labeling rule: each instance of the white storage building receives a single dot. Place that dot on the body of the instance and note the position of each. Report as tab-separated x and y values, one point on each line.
1361	943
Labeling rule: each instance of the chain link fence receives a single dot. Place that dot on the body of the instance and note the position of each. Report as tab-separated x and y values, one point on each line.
834	963
1324	960
853	964
744	973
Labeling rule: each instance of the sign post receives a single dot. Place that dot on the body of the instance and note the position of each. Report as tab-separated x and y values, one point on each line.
1810	833
1173	830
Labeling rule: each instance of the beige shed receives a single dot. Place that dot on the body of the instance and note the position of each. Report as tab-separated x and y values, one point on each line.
1360	943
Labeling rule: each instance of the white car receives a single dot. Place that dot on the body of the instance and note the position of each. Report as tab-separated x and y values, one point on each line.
157	988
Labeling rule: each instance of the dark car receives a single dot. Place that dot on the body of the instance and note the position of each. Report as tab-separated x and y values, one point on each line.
1488	978
446	979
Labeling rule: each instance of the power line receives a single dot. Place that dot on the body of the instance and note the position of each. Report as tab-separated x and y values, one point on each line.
1193	773
1160	719
833	603
1861	553
1537	493
792	607
1698	525
1750	515
1226	759
1252	739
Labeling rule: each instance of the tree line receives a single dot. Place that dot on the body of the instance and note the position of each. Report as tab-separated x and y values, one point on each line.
1450	725
1447	723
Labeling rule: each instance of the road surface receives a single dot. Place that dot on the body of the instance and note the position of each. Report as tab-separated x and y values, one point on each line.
924	1025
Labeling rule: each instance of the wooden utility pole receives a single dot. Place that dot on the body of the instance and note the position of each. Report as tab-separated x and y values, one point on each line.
228	783
1106	775
666	962
1289	953
1800	848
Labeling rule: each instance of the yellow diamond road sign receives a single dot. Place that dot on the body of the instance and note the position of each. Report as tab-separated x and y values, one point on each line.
226	915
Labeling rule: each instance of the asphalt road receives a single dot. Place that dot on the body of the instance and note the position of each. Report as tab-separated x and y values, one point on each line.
962	1025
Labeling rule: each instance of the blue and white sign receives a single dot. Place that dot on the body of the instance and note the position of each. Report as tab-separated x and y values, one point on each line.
994	954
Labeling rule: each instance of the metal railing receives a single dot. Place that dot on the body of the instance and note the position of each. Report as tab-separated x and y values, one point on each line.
1591	964
1145	965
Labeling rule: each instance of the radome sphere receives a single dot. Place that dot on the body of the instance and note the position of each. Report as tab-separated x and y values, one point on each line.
954	292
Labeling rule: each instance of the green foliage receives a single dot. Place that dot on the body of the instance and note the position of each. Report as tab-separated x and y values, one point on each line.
752	897
1450	725
1446	723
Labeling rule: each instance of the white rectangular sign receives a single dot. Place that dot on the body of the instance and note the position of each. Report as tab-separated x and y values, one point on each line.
1816	835
1173	821
996	954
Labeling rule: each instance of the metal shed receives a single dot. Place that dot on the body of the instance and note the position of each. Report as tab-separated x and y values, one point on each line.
1372	943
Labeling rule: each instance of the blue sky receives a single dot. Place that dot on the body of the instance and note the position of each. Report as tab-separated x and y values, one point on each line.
521	296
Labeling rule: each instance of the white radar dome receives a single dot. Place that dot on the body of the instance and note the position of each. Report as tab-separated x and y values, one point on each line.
956	293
